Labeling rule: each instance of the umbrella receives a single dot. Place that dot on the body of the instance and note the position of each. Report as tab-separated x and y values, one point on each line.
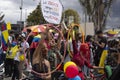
40	28
36	28
112	33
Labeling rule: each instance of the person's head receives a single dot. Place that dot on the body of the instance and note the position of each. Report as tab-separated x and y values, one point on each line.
28	31
84	49
78	37
11	33
16	36
41	51
23	37
88	38
99	33
48	37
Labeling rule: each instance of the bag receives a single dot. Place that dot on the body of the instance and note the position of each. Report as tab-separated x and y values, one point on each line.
22	57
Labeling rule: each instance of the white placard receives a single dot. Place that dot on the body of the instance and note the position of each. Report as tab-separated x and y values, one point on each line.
52	11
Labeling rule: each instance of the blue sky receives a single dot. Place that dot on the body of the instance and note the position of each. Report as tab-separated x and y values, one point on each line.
12	12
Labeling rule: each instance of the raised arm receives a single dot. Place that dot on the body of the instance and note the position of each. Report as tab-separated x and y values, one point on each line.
75	50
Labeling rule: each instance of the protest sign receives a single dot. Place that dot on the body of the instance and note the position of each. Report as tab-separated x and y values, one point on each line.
52	11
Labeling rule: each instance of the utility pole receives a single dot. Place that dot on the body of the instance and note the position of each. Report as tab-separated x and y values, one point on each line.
25	17
21	7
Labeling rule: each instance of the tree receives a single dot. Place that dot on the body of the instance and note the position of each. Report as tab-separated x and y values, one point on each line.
71	14
36	17
97	11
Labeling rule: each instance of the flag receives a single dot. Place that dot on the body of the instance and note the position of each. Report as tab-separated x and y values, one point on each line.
5	36
8	26
3	27
102	59
35	41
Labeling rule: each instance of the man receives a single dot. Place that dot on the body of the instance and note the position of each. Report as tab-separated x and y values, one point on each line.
100	44
30	36
10	38
116	73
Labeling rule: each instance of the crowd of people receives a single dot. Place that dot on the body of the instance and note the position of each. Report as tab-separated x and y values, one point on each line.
44	53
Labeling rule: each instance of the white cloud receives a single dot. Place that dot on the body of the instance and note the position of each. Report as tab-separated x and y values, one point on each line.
11	9
12	12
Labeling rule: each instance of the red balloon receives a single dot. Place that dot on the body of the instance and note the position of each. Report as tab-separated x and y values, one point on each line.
71	71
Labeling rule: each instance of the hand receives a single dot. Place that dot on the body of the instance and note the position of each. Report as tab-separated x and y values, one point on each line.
97	67
48	28
96	42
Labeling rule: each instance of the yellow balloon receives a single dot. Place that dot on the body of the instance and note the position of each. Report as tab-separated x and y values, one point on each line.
68	64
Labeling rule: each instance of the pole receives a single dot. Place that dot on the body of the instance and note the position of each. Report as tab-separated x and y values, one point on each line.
21	10
25	17
85	21
21	7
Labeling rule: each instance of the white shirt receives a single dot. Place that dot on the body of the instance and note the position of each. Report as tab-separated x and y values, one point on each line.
16	58
25	45
10	39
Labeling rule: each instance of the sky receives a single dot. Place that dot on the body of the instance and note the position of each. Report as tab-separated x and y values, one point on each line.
11	9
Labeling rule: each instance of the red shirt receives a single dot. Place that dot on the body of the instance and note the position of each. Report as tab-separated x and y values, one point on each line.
78	58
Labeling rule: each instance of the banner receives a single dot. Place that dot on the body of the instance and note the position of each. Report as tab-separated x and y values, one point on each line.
52	11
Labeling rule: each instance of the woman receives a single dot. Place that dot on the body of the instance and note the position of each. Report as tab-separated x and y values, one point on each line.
41	66
79	56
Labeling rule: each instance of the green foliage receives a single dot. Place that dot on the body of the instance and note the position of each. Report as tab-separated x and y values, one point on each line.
36	17
71	12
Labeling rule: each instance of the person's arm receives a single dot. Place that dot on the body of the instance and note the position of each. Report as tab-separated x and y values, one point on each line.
118	58
59	41
102	45
92	67
75	50
88	64
71	47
